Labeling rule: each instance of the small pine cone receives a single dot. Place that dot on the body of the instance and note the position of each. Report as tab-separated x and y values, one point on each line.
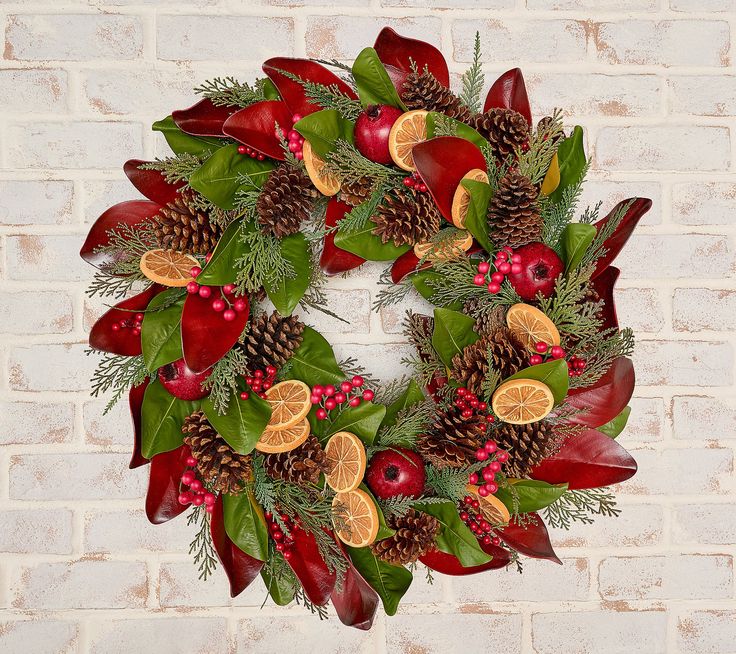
302	465
513	214
219	466
527	445
181	227
285	201
357	192
488	317
271	340
452	440
504	129
406	218
544	125
423	91
414	537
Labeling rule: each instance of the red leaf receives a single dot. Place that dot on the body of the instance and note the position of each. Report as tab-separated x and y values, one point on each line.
614	243
588	459
131	213
240	568
123	341
310	568
604	400
151	183
531	539
509	92
205	335
399	51
405	264
356	603
442	162
162	499
255	126
397	77
603	285
135	402
293	92
448	564
203	118
333	259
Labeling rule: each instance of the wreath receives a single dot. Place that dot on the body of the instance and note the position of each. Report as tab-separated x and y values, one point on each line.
307	471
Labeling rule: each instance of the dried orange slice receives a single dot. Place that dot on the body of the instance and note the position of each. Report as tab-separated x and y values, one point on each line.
283	440
461	199
168	267
325	182
346	460
492	509
531	326
521	401
289	402
446	248
408	130
355	518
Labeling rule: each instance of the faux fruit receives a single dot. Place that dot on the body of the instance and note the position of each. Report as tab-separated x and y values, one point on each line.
396	472
540	268
408	130
372	130
183	383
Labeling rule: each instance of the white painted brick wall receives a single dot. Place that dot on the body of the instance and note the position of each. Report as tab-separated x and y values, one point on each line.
653	83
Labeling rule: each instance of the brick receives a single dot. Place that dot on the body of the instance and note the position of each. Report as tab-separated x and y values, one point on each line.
46	258
77	476
593	5
610	193
708	524
703	95
382	360
58	367
662	148
354	306
392	317
41	531
48	313
34	90
99	196
179	586
703	203
42	636
666	577
96	36
111	431
704	417
446	4
703	5
640	308
646	420
81	585
52	202
118	532
686	363
706	632
35	422
702	309
666	42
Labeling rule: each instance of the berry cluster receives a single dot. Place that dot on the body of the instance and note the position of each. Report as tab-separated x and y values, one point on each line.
495	457
197	493
329	397
505	262
127	323
469	404
253	154
229	306
470	515
415	182
284	542
296	140
545	353
260	382
575	366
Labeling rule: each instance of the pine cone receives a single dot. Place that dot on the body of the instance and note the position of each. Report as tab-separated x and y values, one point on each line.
527	445
423	91
219	466
302	465
357	192
452	440
544	125
414	537
181	227
285	201
406	218
504	129
513	214
488	317
272	340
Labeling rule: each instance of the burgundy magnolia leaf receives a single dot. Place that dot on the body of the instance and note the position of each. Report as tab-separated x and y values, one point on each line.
442	162
255	126
509	92
604	285
588	459
162	499
241	569
404	265
310	568
531	538
448	564
309	71
335	260
615	243
604	400
397	77
356	602
400	51
151	183
205	334
135	402
203	118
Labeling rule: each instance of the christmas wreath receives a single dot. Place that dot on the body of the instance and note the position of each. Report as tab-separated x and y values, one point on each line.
304	469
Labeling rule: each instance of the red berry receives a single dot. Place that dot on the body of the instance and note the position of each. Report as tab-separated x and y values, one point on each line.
136	331
486	540
271	371
580	364
288	553
409	182
516	268
191	461
218	304
483	406
493	287
501	256
115	327
340	397
229	315
496	541
484	267
355	401
209	499
205	291
467	413
318	390
464	514
241	149
483	491
479	279
228	288
346	387
258	374
195	270
540	347
188	477
280	547
490	446
508	250
198	500
504	267
299	155
139	317
491	487
502	456
357	381
460	404
490	419
329	390
296	118
497	277
330	403
535	360
557	352
495	466
321	414
422	188
266	385
208	256
481	454
315	399
462	392
185	498
488	474
473	479
368	394
515	258
192	287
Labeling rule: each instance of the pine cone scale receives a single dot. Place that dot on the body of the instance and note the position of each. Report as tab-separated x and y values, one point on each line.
513	214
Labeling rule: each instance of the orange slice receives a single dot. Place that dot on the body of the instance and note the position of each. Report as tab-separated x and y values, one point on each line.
283	440
408	130
289	402
168	267
355	518
493	509
346	459
446	248
531	326
325	182
521	401
461	199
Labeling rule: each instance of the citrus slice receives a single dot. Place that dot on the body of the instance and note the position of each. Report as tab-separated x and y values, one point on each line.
521	401
289	402
531	326
492	509
346	460
446	248
168	267
355	518
283	440
408	130
461	199
324	181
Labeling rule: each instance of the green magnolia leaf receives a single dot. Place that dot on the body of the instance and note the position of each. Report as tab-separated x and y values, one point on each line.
181	142
220	269
286	294
161	330
575	240
390	581
280	588
270	92
571	158
552	373
362	420
461	129
452	332
367	245
219	178
475	220
614	427
529	495
313	362
245	524
412	395
323	128
372	81
421	280
162	416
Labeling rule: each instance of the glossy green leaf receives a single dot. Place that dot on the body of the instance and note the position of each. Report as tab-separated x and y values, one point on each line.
362	420
313	362
575	240
181	142
286	294
614	427
280	588
161	330
162	416
390	581
452	332
220	269
552	373
461	129
421	280
245	524
323	129
412	395
476	221
270	92
372	81
571	158
527	495
367	245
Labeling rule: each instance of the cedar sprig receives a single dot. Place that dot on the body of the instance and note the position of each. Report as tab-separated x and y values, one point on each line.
400	505
351	368
580	506
410	422
229	92
444	125
328	97
117	374
262	262
178	168
597	248
390	293
301	599
426	364
558	215
334	63
454	282
473	80
450	483
105	284
357	218
349	165
223	381
279	572
201	547
534	161
600	351
391	391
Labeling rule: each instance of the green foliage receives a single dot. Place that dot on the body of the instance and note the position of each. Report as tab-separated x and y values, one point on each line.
328	97
616	425
572	162
441	125
568	309
390	581
476	221
372	81
362	420
473	80
117	374
201	547
597	248
279	579
223	380
579	506
162	416
527	495
313	362
286	291
409	423
400	505
600	351
261	262
453	331
535	161
229	92
177	168
400	401
245	524
552	373
454	283
324	129
450	483
557	215
161	329
576	238
349	165
183	143
366	244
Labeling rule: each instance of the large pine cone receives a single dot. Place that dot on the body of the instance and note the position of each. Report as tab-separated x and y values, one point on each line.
414	537
302	465
513	214
272	340
505	129
181	227
423	91
452	440
356	192
488	316
286	200
406	218
527	445
219	466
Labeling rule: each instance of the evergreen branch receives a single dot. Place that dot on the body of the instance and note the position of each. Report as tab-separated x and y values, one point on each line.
334	63
579	506
201	547
600	351
261	262
178	168
349	165
444	125
390	392
229	92
391	293
118	374
223	381
419	333
105	284
301	599
351	367
357	218
410	422
328	97
534	162
473	80
558	215
597	248
450	483
400	505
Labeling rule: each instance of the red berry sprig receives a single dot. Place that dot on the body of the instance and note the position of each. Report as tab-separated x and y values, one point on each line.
576	365
469	404
296	140
197	495
253	154
495	457
260	382
415	182
225	301
545	353
471	516
505	262
329	398
284	542
129	323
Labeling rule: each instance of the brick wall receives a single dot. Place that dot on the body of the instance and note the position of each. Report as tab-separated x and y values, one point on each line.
654	85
